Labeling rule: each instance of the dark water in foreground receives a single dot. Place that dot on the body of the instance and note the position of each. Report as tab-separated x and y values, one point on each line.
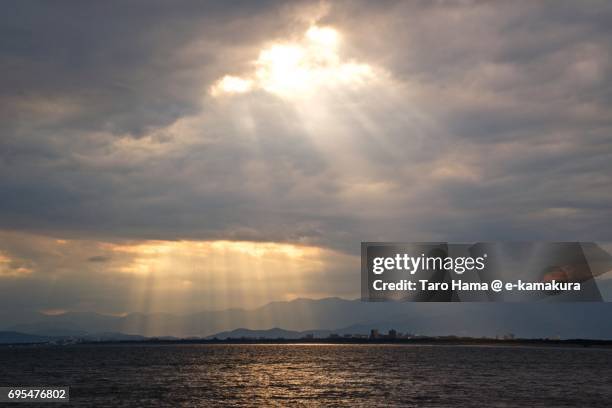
354	375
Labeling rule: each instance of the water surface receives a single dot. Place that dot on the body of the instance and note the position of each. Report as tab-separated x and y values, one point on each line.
281	375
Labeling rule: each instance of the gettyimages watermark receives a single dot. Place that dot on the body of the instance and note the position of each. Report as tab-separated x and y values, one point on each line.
484	272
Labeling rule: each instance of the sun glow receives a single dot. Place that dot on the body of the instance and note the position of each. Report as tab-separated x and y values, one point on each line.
158	256
292	69
325	36
232	84
173	276
222	272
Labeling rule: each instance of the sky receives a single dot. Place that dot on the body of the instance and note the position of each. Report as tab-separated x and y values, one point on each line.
178	156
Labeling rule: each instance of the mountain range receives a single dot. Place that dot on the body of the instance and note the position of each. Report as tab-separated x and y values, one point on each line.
565	320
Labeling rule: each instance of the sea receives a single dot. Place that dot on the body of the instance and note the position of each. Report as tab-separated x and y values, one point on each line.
365	375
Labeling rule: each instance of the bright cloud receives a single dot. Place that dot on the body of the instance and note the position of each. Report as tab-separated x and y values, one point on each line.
423	121
167	275
293	69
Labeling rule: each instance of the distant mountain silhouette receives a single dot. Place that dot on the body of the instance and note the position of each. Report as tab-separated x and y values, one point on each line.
50	328
9	337
566	320
274	333
13	337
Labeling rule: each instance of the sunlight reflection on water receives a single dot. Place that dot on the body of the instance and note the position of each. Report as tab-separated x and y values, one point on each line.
372	375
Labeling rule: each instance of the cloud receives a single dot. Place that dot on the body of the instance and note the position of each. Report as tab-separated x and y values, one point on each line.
490	122
164	276
13	268
98	258
299	69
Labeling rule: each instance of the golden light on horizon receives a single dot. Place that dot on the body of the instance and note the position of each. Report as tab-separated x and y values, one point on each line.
297	69
220	273
177	276
159	256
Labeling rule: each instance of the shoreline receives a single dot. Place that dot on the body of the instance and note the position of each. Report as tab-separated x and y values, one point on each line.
424	341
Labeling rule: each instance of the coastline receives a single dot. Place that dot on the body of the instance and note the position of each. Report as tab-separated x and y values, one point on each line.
421	341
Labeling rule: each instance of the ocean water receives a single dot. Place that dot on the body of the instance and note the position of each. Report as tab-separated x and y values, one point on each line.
311	375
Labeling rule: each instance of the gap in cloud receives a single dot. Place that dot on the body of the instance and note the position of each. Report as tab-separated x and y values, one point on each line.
299	68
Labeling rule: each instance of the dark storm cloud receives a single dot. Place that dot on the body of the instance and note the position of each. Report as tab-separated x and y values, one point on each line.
116	64
495	123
